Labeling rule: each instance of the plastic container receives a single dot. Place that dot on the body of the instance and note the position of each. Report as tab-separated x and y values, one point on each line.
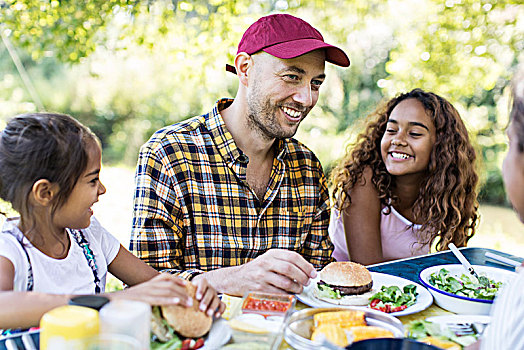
128	318
262	317
68	324
267	304
93	301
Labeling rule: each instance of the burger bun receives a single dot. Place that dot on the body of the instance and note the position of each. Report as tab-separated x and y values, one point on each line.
187	321
352	280
345	273
347	300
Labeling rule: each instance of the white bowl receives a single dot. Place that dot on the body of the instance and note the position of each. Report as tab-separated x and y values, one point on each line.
460	304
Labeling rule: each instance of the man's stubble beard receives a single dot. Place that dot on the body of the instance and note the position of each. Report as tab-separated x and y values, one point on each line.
262	116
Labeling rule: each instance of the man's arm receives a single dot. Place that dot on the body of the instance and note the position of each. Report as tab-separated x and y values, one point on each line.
279	270
158	235
275	271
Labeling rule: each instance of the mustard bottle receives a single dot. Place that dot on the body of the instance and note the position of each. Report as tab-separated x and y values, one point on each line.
68	327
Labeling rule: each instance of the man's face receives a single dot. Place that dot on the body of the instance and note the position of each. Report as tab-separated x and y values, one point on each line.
281	92
513	172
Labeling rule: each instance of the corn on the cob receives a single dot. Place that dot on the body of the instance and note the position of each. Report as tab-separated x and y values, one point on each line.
332	332
344	319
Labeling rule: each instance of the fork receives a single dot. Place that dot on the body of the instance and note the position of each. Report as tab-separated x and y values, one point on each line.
479	327
461	329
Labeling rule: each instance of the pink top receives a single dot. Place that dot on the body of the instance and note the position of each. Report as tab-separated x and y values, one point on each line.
398	234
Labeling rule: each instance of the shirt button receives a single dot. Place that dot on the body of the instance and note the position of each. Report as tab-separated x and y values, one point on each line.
243	158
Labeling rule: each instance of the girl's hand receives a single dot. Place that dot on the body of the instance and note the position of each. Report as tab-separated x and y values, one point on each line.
164	289
209	301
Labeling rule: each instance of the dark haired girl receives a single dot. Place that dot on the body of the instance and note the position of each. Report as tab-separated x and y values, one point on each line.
49	172
409	182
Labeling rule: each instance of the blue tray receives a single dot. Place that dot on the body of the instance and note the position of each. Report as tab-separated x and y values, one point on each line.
35	335
411	267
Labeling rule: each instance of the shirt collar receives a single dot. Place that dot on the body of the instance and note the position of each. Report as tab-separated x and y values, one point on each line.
224	140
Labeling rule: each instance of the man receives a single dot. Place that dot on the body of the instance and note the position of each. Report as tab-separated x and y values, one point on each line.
229	196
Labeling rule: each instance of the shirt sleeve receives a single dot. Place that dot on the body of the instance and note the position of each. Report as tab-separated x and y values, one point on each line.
507	318
11	250
317	248
158	234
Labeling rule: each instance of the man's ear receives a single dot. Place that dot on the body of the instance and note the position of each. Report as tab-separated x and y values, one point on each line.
44	192
243	64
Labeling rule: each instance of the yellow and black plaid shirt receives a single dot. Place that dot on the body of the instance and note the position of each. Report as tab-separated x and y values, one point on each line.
194	210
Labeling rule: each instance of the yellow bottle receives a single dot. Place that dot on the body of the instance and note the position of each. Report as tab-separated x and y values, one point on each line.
67	326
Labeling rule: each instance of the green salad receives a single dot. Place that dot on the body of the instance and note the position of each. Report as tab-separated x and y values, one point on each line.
421	330
466	285
393	299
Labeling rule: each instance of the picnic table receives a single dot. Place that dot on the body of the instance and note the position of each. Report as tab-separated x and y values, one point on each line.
409	269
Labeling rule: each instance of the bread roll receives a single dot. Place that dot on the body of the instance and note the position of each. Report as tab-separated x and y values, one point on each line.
188	321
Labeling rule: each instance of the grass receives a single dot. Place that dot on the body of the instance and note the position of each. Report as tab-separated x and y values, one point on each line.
499	227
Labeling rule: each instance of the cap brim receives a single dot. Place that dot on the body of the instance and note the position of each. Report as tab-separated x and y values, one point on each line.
295	48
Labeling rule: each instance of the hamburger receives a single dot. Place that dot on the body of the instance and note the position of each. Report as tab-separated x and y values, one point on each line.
344	283
188	322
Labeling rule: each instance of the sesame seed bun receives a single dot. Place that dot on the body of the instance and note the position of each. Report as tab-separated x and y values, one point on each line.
188	321
345	273
352	281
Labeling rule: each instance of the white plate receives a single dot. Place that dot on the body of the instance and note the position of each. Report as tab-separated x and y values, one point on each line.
424	298
219	335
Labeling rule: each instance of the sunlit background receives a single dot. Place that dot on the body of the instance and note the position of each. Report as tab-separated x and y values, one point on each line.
126	68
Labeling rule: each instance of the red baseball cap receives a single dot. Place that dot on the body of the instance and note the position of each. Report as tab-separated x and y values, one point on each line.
285	36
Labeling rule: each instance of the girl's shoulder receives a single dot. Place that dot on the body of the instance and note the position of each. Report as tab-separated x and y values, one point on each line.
10	229
11	239
365	182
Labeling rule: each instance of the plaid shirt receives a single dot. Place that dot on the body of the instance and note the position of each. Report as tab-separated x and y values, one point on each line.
194	210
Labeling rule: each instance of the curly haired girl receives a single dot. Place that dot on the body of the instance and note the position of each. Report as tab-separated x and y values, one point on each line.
410	181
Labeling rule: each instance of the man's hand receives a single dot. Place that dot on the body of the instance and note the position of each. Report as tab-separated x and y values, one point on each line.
276	271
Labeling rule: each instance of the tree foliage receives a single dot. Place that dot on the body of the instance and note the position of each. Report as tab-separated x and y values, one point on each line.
126	68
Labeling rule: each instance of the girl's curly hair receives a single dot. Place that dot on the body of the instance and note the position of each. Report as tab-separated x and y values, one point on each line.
447	204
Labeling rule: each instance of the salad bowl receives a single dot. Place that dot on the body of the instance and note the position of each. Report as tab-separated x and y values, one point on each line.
458	291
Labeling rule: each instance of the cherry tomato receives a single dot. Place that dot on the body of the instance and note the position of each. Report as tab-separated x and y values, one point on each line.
199	343
374	302
185	344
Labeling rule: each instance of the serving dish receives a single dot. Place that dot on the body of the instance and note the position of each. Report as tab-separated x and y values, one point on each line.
462	304
390	344
25	340
267	304
424	298
298	328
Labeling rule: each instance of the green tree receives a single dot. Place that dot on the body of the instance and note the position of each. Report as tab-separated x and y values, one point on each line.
130	67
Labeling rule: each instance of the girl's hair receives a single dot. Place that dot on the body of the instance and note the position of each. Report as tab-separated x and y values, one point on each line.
517	108
447	203
41	146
